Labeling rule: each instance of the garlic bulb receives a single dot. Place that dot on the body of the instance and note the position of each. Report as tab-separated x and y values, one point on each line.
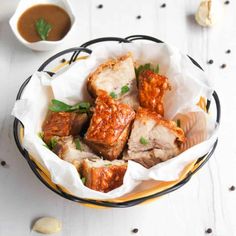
47	225
208	13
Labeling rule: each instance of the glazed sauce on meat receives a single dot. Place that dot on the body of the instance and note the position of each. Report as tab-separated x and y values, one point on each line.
152	89
55	16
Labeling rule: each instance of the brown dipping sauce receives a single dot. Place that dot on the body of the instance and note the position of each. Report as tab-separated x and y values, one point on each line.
52	14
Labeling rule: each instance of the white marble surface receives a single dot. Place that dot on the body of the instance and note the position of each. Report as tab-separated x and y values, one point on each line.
204	202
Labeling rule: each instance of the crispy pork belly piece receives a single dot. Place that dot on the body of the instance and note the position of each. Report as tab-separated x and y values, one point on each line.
153	139
113	151
151	157
102	175
109	127
152	87
66	149
63	124
131	99
116	77
78	123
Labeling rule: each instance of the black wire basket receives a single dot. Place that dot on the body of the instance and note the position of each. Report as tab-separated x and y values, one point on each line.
45	179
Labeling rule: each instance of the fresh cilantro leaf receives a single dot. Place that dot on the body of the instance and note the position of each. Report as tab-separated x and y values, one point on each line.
53	142
45	145
113	95
108	164
145	67
83	179
156	70
43	28
124	89
58	106
41	135
143	141
81	107
78	144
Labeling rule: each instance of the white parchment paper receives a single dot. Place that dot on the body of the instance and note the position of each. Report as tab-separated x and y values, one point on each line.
188	83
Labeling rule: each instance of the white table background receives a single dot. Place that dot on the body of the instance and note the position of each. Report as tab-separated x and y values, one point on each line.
204	202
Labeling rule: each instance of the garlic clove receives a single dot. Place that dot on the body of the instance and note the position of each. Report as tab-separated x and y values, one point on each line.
208	13
47	225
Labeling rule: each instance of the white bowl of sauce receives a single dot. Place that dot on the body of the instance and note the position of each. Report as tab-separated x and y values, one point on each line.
42	24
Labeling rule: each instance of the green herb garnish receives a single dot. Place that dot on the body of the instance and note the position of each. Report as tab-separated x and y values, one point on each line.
42	28
124	89
108	164
145	67
45	145
143	141
78	144
178	123
81	107
113	95
53	143
83	179
156	70
41	135
58	106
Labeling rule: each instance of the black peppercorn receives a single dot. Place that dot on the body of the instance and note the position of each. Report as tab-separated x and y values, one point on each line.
63	60
210	61
3	163
100	6
135	230
223	66
138	17
232	188
227	2
209	231
163	5
228	51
